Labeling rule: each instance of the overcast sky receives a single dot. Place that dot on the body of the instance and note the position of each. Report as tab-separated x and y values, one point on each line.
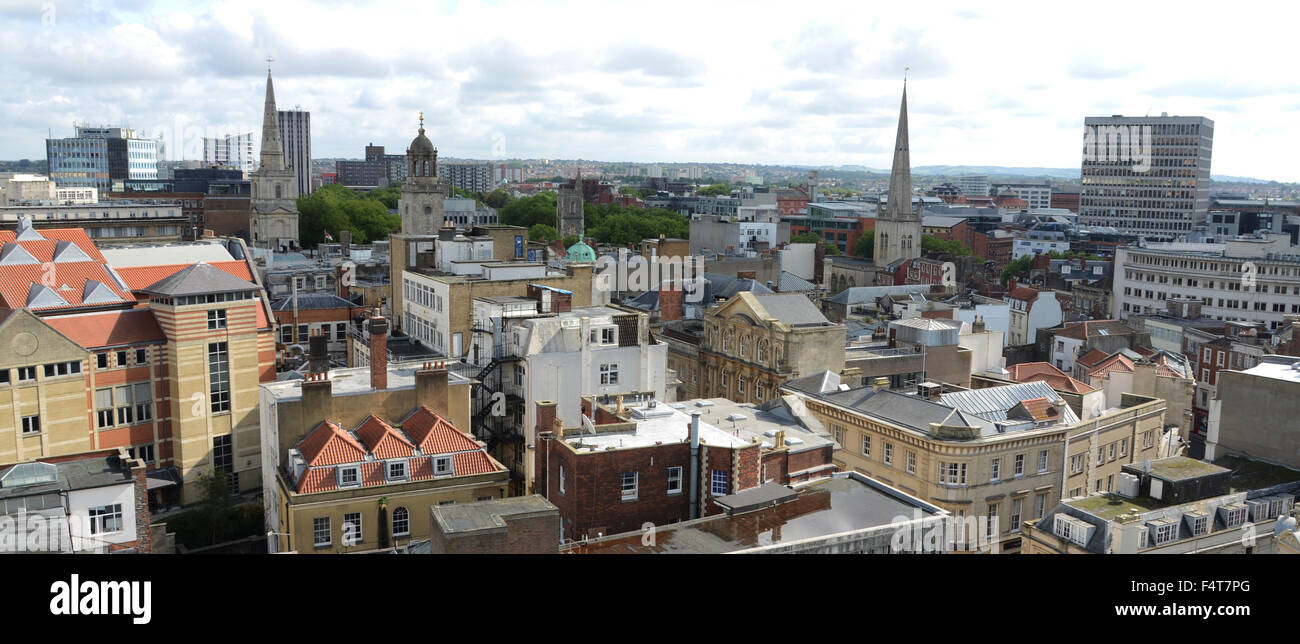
752	82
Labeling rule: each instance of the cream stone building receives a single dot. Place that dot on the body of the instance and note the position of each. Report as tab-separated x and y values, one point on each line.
995	457
753	344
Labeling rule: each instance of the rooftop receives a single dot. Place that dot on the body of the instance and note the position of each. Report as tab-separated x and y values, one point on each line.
487	515
81	474
354	380
1181	468
653	425
844	503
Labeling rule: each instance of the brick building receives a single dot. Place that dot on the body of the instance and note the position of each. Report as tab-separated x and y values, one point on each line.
655	463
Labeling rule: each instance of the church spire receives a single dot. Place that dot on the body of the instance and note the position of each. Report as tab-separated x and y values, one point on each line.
272	148
900	176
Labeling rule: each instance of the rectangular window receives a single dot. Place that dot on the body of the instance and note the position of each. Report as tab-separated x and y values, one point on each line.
996	471
1148	438
101	360
889	453
1112	451
352	529
561	479
106	519
1015	514
321	533
216	319
219	376
719	482
397	471
1040	505
141	356
609	374
629	486
142	452
1042	461
866	446
340	332
1020	465
674	480
222	453
952	473
104	407
32	424
349	476
121	358
607	336
26	373
1123	447
442	466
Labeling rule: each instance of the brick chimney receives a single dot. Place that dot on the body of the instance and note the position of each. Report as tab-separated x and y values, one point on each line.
341	281
670	302
318	357
378	352
317	397
431	386
546	414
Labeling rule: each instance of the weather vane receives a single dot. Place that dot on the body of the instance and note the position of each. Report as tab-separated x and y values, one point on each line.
905	70
269	60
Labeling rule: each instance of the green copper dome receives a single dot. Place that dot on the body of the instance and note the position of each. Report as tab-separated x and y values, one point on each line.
581	253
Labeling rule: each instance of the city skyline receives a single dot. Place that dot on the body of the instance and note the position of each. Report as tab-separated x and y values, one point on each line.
581	80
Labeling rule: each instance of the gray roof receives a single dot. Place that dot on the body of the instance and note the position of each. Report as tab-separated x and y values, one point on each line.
725	286
487	515
795	310
818	383
791	282
909	411
992	403
312	301
869	294
70	475
199	279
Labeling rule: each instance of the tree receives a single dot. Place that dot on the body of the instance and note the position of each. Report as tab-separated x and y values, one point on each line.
570	240
931	244
1017	268
497	198
832	249
335	208
865	247
714	190
806	238
214	502
530	211
542	232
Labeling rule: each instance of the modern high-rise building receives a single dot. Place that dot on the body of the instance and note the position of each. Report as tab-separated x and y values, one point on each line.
235	151
1146	175
295	135
99	156
471	177
973	185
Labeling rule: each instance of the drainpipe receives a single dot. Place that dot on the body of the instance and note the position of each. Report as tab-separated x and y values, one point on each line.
695	464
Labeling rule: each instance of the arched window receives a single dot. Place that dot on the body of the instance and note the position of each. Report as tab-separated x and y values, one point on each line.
401	522
760	353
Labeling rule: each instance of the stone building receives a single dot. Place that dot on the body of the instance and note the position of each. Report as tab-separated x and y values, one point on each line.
273	222
753	344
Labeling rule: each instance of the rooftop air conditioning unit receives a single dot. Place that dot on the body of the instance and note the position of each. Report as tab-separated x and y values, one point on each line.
1128	485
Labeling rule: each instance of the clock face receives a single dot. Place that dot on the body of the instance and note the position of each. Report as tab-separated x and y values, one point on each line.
24	344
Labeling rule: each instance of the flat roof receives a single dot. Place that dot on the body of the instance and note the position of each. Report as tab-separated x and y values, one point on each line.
354	380
81	474
830	506
487	515
1180	468
658	424
756	424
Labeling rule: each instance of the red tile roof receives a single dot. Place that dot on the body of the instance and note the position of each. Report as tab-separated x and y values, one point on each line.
320	479
1092	358
1039	409
382	440
1117	362
139	277
109	328
69	277
477	462
1055	378
328	444
1091	328
1023	293
434	434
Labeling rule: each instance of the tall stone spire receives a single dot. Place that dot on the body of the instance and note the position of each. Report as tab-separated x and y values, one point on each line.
272	148
900	176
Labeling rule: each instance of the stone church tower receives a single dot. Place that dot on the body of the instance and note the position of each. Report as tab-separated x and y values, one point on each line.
273	220
421	203
568	209
898	227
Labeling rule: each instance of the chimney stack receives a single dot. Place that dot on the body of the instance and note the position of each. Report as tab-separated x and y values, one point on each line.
880	383
345	243
978	326
341	281
318	357
670	302
317	396
545	412
431	387
695	465
378	352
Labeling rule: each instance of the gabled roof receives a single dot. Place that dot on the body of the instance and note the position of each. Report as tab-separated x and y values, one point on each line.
1022	293
793	283
1042	371
49	271
199	279
328	444
1117	362
1035	409
1092	358
795	310
993	403
382	440
434	434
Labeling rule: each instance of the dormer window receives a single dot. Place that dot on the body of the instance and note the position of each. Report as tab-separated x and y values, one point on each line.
349	476
397	471
442	466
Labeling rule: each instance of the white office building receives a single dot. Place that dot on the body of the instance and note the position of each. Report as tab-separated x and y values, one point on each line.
232	150
295	135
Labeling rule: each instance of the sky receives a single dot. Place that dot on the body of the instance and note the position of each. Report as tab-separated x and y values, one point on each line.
808	83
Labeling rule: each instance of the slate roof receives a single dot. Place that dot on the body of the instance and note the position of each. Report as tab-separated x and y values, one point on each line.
993	403
795	310
199	279
912	412
312	302
793	283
